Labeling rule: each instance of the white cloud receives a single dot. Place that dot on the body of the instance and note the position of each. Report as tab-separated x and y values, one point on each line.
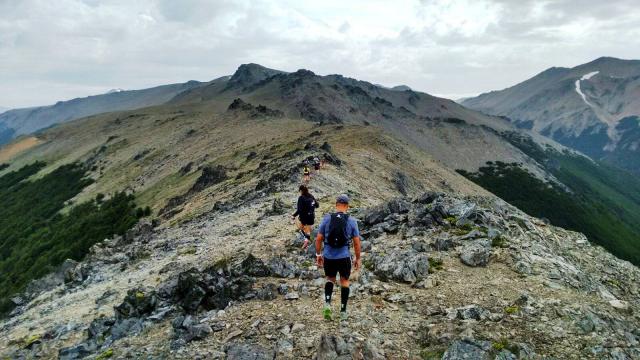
68	48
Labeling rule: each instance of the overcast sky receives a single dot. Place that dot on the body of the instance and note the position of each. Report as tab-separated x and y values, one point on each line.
56	50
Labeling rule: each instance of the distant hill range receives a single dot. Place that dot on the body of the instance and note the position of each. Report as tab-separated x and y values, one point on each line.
593	108
28	120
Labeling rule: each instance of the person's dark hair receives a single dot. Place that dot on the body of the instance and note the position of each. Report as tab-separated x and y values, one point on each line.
304	190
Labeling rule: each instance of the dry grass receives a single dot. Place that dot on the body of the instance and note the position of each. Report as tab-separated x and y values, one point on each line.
10	150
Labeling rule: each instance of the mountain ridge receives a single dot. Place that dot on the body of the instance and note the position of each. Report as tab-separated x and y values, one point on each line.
24	121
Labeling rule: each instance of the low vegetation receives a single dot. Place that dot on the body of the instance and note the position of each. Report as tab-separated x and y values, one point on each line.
35	237
599	200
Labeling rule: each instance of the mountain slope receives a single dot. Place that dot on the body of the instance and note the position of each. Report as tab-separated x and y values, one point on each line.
449	269
538	292
25	121
592	108
180	132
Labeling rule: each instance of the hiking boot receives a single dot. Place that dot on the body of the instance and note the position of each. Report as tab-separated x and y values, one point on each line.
327	313
344	316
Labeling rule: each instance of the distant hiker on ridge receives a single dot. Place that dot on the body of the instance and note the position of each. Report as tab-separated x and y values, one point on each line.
305	211
306	174
336	232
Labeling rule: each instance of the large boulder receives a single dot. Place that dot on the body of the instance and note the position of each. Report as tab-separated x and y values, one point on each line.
76	274
126	327
78	351
187	328
280	267
100	327
142	230
379	213
476	253
211	175
332	347
138	302
409	266
212	288
468	349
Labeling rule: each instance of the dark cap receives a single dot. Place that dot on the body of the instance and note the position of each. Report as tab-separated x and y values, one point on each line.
342	199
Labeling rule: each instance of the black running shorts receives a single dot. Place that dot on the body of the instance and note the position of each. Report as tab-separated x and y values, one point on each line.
335	266
306	219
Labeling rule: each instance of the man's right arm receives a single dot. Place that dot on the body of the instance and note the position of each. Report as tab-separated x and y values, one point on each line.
319	241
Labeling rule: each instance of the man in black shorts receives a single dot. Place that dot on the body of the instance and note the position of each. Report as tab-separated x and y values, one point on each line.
336	232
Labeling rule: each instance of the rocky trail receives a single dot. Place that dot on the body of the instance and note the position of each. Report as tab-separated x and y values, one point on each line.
444	277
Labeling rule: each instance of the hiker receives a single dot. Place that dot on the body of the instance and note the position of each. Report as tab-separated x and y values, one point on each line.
324	160
306	174
336	232
316	164
305	212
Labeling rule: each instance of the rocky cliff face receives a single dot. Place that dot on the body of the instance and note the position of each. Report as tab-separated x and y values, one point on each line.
592	108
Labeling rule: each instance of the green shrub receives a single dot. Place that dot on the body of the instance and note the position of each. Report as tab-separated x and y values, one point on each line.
499	241
435	263
431	354
368	264
223	263
500	345
512	309
105	354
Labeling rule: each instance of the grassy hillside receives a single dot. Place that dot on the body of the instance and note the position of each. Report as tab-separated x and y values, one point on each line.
35	237
599	200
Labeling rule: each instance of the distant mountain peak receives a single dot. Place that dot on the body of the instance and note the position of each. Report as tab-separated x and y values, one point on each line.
249	74
602	59
581	107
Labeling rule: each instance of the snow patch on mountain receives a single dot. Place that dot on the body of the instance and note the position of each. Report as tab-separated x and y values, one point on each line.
115	91
579	91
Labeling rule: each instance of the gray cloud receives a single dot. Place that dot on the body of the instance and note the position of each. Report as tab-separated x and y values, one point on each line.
58	50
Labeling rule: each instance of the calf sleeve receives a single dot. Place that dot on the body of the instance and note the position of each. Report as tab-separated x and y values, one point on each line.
328	291
344	296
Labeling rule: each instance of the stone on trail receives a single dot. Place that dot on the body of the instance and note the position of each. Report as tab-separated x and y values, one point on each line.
292	296
473	312
476	253
246	351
